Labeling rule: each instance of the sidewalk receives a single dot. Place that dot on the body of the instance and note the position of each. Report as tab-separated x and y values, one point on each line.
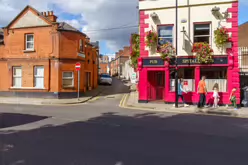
42	101
131	101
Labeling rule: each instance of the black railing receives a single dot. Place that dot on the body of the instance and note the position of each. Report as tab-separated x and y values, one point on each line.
243	60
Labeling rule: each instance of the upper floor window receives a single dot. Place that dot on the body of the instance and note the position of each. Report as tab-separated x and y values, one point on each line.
165	34
81	48
29	41
202	33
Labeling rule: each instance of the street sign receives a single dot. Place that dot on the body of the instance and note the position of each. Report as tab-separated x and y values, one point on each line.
78	66
133	78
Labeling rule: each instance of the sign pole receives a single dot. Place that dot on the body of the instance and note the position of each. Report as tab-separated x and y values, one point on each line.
78	83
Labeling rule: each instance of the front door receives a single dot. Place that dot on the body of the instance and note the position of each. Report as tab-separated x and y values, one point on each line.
156	80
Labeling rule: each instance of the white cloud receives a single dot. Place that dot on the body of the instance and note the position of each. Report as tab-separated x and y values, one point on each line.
98	14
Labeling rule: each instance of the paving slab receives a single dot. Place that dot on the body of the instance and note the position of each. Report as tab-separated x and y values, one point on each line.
131	101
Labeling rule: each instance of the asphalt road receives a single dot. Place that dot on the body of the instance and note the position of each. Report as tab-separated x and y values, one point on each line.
101	133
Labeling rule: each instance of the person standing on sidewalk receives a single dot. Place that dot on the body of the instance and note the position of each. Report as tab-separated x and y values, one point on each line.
233	99
202	90
180	92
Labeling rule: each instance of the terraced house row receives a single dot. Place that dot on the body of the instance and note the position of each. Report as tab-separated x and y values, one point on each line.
38	56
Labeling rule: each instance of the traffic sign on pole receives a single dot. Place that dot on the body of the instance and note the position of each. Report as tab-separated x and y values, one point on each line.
78	66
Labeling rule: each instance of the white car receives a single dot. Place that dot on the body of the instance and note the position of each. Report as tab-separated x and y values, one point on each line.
105	79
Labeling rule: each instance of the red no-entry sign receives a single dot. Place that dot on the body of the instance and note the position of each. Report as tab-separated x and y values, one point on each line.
78	66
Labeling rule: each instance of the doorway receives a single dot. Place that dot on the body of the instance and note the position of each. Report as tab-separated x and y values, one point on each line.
156	81
87	82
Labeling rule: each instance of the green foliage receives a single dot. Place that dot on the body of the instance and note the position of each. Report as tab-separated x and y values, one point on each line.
151	39
220	37
135	50
203	52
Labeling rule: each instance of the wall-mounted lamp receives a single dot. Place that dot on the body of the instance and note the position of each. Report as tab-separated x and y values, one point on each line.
154	15
216	12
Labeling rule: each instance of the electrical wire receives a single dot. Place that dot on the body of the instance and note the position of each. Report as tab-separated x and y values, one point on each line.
115	28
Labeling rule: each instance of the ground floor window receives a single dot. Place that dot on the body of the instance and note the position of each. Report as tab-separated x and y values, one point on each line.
215	77
39	77
68	79
188	75
17	76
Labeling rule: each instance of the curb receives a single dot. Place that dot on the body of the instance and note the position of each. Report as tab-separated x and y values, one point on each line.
220	112
58	104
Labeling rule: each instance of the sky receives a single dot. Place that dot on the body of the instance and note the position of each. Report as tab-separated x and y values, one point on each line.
93	17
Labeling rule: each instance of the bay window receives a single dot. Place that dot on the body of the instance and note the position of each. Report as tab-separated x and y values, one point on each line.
202	33
215	77
165	34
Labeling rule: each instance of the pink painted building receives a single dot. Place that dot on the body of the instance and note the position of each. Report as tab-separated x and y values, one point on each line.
197	21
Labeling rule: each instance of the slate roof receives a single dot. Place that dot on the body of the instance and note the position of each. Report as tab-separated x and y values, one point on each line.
1	35
67	27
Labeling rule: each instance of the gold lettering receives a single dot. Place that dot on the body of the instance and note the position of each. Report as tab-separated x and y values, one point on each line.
185	61
153	61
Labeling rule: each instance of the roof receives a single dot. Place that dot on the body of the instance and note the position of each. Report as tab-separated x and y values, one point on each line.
243	23
95	44
66	27
25	10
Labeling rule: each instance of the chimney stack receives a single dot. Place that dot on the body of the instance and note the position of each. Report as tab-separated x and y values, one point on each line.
50	16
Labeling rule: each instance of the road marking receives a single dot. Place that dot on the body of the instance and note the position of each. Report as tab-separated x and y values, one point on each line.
125	96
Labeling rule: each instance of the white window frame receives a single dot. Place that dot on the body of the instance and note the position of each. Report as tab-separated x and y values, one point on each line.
39	76
16	76
199	36
172	35
68	78
81	48
26	42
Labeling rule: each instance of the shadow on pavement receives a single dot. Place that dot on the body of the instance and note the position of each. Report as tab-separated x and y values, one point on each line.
144	139
11	119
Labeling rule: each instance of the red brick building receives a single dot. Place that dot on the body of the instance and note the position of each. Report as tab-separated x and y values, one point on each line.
38	56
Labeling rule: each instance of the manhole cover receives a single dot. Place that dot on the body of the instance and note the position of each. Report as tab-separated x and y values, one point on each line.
11	119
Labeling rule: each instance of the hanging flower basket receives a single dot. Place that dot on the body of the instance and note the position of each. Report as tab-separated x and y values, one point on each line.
221	37
167	51
203	52
151	39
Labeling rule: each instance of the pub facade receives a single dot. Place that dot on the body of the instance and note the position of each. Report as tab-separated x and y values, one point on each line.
197	22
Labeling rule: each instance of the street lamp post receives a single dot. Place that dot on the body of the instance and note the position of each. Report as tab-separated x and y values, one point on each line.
176	69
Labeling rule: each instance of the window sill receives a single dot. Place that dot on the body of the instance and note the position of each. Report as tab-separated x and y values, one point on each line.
28	51
30	88
69	87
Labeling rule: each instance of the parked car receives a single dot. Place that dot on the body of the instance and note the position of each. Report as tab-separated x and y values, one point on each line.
105	79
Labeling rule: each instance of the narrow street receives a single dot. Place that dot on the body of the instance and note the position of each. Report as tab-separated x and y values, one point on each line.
101	133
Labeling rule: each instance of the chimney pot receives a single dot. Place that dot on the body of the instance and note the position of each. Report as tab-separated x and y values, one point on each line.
44	13
51	12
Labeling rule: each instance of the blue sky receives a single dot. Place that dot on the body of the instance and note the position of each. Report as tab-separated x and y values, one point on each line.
243	14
